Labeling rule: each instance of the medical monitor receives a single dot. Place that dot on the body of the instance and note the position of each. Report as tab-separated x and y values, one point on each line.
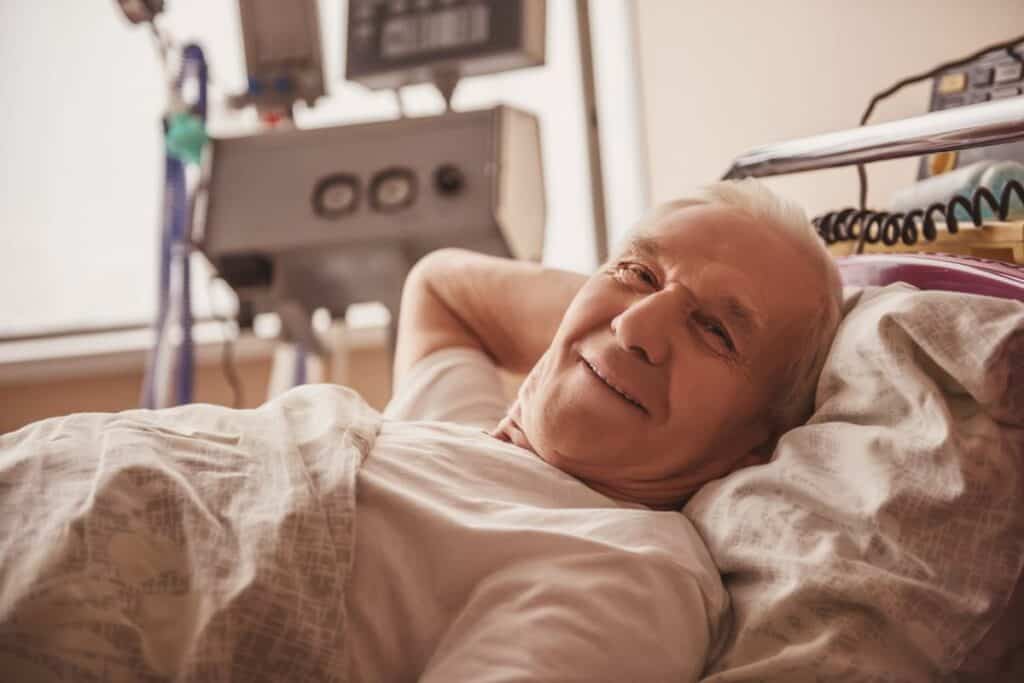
392	43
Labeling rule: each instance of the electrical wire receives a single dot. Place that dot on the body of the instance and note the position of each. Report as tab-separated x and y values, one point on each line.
229	331
890	228
862	176
162	43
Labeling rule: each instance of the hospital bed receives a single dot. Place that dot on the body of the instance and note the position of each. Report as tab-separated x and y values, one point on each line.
867	549
885	540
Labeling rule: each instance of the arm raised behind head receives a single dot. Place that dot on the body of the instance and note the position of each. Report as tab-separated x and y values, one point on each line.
508	309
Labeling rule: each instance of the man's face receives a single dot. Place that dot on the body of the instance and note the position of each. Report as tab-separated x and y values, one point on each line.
661	371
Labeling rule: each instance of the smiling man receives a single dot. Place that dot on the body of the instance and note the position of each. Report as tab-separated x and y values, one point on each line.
680	360
543	540
453	537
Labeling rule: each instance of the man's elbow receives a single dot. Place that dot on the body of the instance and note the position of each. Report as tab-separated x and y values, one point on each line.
430	317
437	264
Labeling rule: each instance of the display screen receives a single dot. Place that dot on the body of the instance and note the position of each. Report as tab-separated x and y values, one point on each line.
413	34
393	43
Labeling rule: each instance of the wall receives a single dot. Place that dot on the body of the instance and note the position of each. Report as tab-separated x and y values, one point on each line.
720	78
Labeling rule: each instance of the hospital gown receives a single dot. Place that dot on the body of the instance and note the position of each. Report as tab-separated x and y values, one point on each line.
315	539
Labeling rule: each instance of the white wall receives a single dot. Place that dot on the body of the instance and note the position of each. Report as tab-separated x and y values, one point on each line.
720	78
81	175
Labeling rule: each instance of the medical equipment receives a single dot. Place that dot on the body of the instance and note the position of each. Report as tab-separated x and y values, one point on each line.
994	75
976	181
952	129
169	372
168	378
300	220
999	121
282	55
392	43
986	202
141	11
328	217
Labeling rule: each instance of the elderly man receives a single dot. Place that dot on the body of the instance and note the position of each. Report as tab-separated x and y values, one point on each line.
453	538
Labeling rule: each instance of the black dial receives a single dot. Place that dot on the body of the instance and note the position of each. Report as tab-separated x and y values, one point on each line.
449	180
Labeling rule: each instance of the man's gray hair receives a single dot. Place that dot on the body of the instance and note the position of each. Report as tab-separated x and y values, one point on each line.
794	401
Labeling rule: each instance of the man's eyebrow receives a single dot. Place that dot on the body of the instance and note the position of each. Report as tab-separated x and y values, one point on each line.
643	246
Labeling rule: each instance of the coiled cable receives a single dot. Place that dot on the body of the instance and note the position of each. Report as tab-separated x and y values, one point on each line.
871	227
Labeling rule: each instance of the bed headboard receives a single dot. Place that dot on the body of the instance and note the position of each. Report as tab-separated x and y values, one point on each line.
935	271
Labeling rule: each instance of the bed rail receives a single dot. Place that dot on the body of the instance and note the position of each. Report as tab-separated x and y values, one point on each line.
975	125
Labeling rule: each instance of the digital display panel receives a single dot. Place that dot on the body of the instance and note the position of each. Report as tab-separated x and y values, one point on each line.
398	42
446	29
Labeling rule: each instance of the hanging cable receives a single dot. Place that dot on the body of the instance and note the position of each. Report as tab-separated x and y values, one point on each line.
229	332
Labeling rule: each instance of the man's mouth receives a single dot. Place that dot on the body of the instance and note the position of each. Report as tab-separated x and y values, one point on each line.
624	394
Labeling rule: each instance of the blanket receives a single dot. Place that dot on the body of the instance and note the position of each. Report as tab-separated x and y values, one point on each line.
197	543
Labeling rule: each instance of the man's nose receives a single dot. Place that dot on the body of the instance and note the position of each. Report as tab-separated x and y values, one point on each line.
646	326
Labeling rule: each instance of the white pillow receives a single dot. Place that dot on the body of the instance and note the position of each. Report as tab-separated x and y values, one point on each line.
886	536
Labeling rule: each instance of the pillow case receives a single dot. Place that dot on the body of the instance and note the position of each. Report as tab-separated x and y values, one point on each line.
886	536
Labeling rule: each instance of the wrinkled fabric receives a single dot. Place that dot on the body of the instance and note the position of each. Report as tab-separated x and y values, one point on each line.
475	560
885	538
190	544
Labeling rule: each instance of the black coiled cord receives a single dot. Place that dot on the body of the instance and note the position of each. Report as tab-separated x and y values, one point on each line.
864	225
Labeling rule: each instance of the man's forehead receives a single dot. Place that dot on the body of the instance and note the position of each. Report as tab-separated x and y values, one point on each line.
703	220
715	233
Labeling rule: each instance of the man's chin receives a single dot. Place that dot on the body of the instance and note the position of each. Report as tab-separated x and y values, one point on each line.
570	445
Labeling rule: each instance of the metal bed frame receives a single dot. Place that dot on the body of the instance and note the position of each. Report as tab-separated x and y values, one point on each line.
976	125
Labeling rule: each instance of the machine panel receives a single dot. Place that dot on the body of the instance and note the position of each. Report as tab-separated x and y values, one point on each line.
993	76
334	216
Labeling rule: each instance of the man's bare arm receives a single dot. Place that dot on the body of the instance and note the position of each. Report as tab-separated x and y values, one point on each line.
508	309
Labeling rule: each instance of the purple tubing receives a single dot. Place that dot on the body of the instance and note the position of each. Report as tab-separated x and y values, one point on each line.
936	271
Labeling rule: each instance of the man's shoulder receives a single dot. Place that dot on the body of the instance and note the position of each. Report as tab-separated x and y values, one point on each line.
455	384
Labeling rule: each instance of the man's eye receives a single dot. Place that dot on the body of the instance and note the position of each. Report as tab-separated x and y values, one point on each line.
634	274
719	331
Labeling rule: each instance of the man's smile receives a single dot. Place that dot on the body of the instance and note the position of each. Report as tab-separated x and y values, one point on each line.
626	396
